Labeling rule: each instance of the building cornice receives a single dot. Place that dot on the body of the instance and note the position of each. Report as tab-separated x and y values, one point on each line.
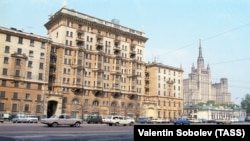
96	23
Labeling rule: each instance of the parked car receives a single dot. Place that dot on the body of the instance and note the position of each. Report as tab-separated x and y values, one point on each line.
181	121
31	118
194	120
61	119
234	120
94	119
202	120
104	119
19	118
1	120
22	118
223	121
143	120
156	120
160	120
211	121
119	120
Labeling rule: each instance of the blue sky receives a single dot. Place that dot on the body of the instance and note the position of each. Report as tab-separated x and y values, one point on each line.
174	28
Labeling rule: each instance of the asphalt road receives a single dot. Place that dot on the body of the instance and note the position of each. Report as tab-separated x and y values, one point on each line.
86	132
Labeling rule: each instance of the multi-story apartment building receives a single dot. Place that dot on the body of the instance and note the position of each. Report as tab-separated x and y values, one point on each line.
86	66
96	66
198	87
23	71
163	91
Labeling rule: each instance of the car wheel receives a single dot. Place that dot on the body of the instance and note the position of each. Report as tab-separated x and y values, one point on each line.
77	124
131	124
54	124
117	124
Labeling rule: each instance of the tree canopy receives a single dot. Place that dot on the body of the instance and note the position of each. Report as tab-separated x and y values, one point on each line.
245	103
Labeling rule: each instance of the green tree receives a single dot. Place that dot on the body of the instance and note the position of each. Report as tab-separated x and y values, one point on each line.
245	103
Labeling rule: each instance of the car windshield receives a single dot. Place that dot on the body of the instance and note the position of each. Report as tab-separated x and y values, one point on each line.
108	117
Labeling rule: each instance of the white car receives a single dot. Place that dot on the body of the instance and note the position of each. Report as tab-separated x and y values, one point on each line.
234	120
61	119
119	120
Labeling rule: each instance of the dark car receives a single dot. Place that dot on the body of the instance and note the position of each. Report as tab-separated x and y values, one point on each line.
211	121
94	119
181	121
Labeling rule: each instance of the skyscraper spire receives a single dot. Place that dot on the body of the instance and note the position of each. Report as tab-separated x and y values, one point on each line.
200	51
200	60
64	4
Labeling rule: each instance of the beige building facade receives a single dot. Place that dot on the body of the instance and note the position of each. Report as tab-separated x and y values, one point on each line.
86	66
23	71
163	91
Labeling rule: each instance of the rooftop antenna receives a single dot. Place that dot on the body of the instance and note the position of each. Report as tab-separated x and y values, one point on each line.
64	3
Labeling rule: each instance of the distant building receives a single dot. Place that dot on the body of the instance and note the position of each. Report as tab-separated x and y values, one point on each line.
213	113
198	87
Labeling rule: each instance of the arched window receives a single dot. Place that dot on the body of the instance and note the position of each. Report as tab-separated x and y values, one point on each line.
95	103
113	104
123	104
75	101
130	105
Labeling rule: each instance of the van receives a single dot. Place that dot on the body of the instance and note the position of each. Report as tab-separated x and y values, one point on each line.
117	120
94	119
21	118
31	118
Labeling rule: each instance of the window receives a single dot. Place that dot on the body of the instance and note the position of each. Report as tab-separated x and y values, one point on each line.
42	55
17	73
1	106
43	45
6	60
39	86
41	66
39	97
2	94
26	108
5	71
31	53
8	38
86	102
29	75
14	107
30	64
28	85
15	95
4	82
38	108
7	49
16	84
95	103
18	62
19	51
20	40
27	96
130	105
32	42
40	77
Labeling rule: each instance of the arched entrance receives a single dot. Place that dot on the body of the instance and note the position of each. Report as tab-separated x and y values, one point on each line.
151	112
51	108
